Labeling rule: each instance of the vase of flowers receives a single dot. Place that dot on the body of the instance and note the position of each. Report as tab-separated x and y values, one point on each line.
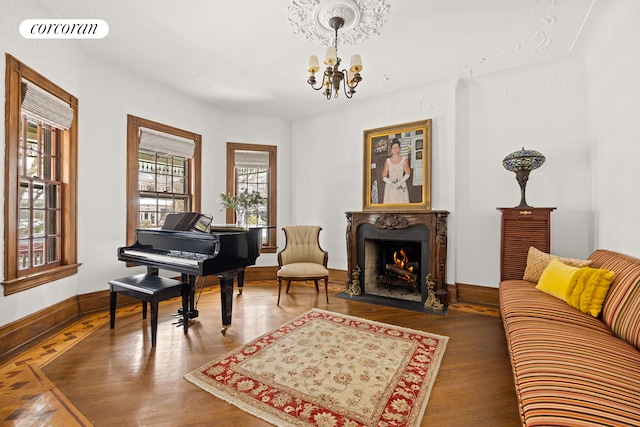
242	203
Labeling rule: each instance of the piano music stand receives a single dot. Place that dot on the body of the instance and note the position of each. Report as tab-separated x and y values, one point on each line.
150	289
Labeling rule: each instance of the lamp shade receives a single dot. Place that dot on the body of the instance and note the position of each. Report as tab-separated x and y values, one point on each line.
522	163
314	65
523	160
356	64
331	57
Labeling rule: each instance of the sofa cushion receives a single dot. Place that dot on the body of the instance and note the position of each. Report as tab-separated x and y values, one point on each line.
537	261
621	308
567	375
520	300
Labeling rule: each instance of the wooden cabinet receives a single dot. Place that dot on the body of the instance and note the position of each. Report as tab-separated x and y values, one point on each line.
521	228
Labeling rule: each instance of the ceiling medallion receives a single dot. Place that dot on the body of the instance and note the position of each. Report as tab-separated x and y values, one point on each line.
362	18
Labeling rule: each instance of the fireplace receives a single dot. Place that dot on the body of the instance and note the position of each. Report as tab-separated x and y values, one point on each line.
398	259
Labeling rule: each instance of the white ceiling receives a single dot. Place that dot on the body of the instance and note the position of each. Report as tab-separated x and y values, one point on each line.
244	54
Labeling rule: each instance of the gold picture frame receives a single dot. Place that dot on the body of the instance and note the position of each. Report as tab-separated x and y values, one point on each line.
407	168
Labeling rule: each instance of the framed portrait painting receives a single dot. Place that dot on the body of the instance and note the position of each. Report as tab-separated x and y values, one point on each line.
397	167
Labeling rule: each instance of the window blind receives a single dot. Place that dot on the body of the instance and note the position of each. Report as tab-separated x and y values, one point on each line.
41	104
251	159
155	141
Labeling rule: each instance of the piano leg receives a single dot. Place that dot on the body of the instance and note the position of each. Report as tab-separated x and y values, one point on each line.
240	280
191	280
226	296
185	309
226	300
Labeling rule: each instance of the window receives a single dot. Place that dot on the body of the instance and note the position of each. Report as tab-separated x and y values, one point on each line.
38	194
253	167
163	173
40	229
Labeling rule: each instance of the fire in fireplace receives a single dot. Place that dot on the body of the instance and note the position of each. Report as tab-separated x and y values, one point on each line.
392	266
403	272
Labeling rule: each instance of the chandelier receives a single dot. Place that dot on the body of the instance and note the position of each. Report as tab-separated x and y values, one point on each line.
333	77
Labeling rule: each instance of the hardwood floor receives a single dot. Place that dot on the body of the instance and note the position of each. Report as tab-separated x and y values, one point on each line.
89	374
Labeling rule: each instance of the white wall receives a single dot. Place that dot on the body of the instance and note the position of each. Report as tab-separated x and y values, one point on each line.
539	107
610	47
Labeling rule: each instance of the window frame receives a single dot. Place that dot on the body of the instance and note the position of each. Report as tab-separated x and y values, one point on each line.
133	193
16	280
271	247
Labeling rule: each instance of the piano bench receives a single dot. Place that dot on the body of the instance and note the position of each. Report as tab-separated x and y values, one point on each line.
152	289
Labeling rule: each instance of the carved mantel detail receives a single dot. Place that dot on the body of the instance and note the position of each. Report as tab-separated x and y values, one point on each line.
391	221
436	223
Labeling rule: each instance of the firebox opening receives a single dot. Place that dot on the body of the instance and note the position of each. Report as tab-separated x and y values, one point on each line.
392	268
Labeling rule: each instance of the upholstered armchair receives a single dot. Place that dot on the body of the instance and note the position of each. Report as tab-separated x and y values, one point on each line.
302	258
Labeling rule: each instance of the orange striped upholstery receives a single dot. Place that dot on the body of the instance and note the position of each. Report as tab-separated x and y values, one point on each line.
569	368
621	308
525	301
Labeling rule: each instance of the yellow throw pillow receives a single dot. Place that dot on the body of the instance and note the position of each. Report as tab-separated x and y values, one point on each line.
589	288
584	288
556	279
537	261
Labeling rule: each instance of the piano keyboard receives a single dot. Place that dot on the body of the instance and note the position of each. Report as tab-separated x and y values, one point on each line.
184	258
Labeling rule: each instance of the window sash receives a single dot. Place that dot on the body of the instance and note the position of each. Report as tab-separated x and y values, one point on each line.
38	196
163	182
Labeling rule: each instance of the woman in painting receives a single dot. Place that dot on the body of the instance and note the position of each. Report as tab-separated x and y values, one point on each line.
395	174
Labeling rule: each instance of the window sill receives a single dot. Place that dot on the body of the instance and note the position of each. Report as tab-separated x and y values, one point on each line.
23	283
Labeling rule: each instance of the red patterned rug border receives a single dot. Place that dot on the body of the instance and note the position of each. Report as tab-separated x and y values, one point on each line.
403	404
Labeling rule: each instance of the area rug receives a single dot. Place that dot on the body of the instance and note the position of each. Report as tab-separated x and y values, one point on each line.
329	369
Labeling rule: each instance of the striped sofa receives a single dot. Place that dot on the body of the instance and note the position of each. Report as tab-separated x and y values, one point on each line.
570	368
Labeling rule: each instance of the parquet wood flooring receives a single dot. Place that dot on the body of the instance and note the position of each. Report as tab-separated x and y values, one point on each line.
88	374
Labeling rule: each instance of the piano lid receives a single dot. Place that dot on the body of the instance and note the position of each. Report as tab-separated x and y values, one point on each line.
186	241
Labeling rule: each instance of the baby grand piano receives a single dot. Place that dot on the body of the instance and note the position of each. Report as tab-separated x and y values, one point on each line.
194	250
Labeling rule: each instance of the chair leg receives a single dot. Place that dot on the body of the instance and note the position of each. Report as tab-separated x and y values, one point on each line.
326	290
154	322
144	309
279	287
316	283
288	285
